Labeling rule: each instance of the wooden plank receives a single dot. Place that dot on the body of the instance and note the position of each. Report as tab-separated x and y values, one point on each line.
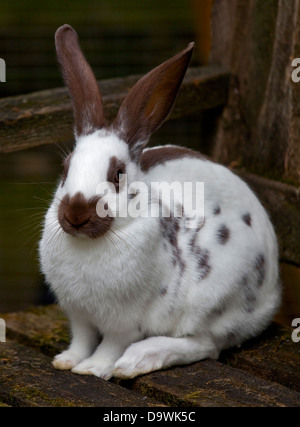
45	328
28	379
45	117
210	383
282	201
260	126
272	356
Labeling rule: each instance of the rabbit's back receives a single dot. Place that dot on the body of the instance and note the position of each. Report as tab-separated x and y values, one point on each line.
223	274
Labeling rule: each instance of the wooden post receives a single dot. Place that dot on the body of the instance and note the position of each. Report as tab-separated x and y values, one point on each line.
260	127
201	10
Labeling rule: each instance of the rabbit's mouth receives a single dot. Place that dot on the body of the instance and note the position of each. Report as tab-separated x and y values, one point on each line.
78	216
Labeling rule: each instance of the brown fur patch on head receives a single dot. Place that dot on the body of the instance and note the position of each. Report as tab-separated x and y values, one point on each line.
156	156
115	171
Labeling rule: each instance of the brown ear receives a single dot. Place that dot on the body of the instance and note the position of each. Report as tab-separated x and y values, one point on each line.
150	101
81	82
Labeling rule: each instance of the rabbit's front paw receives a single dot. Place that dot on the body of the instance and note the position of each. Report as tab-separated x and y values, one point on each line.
65	360
92	367
137	360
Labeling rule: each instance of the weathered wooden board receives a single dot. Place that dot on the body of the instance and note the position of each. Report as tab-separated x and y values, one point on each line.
257	41
46	117
267	374
44	328
28	379
4	405
272	356
211	383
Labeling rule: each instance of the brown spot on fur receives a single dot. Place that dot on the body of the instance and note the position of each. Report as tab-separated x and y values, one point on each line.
249	292
260	266
223	234
192	242
247	219
156	156
203	262
218	310
201	255
217	210
115	167
78	215
163	291
170	228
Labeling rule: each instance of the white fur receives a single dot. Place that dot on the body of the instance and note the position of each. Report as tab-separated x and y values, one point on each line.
125	286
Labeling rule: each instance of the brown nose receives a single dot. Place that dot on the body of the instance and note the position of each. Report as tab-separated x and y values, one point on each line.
74	212
77	214
76	220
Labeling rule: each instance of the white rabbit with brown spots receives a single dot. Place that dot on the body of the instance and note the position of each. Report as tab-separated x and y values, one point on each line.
146	292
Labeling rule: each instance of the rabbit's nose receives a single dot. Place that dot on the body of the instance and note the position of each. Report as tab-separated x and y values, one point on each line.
78	215
76	220
77	212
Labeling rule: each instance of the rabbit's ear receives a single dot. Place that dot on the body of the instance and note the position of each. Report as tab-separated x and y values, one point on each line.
150	101
81	82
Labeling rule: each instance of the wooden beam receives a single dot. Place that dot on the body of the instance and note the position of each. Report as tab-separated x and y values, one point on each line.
210	383
260	126
28	379
272	356
263	372
46	117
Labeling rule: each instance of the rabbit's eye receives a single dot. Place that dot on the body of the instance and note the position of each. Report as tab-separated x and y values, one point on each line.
116	172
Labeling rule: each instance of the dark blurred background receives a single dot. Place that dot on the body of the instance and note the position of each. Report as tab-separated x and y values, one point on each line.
119	37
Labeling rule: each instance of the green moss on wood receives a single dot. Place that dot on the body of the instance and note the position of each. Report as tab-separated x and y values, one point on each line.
35	397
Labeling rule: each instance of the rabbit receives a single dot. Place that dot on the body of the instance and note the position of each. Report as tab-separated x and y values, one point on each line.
147	292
